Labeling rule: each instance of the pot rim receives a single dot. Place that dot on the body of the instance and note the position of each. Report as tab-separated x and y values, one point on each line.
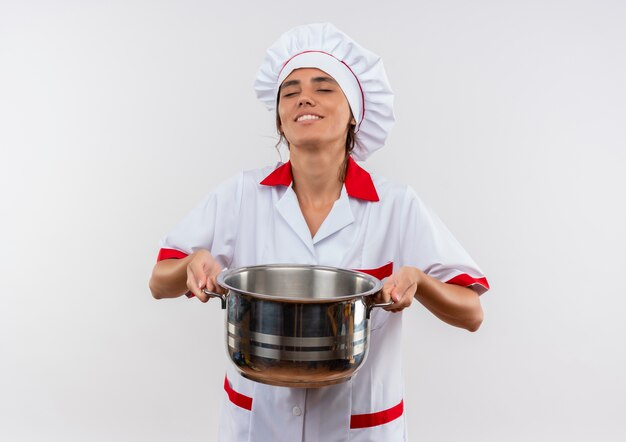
378	285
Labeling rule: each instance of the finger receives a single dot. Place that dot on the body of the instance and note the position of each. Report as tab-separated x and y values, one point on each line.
393	295
404	287
385	294
403	303
196	281
390	296
387	290
403	299
194	291
212	286
216	287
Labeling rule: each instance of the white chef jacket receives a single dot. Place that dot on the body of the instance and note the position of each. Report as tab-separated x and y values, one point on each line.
375	226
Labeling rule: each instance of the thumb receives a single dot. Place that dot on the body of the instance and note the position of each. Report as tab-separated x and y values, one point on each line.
388	289
196	281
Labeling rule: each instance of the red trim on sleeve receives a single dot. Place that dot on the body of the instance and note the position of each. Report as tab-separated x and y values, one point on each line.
358	183
173	254
170	254
375	419
380	272
238	399
466	280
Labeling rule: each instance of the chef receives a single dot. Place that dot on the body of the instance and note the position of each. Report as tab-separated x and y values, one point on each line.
333	106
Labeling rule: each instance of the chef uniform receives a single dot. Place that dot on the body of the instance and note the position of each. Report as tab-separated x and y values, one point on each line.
375	226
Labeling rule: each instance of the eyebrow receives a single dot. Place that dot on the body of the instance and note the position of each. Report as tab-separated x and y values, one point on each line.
322	79
313	80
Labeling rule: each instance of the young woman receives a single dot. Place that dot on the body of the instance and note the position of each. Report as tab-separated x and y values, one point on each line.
334	105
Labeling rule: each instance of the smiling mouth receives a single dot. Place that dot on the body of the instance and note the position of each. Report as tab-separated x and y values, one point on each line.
308	117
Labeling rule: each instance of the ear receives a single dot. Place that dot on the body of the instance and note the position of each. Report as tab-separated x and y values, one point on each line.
352	121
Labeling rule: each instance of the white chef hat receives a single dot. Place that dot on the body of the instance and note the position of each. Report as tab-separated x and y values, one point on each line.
359	72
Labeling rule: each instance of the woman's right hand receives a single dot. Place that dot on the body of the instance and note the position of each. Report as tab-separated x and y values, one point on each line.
202	271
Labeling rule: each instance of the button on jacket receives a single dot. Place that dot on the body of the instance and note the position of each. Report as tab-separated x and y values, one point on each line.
375	226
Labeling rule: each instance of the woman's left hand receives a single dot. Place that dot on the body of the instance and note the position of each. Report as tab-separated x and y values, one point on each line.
401	288
454	304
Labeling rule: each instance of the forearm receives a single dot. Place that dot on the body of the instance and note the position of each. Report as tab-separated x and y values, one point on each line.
456	305
169	278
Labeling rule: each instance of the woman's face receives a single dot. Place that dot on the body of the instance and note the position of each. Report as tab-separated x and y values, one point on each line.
313	110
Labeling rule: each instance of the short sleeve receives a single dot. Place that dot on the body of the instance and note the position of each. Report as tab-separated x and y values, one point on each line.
426	243
211	225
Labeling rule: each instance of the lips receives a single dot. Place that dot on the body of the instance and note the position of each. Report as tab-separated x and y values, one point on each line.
307	117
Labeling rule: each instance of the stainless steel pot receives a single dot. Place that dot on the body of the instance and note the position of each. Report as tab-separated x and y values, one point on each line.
297	325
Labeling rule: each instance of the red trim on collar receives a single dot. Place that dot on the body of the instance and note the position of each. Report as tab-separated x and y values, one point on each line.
281	176
359	182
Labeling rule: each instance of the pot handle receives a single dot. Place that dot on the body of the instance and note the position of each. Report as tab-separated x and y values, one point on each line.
371	306
216	295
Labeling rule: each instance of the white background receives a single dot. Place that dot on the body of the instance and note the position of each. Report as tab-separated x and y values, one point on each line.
116	117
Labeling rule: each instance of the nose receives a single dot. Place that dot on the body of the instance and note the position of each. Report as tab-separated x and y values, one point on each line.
305	99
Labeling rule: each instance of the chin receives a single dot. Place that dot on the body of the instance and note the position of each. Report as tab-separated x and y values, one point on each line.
312	143
308	143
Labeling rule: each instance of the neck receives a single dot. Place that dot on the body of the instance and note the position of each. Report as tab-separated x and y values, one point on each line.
316	174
